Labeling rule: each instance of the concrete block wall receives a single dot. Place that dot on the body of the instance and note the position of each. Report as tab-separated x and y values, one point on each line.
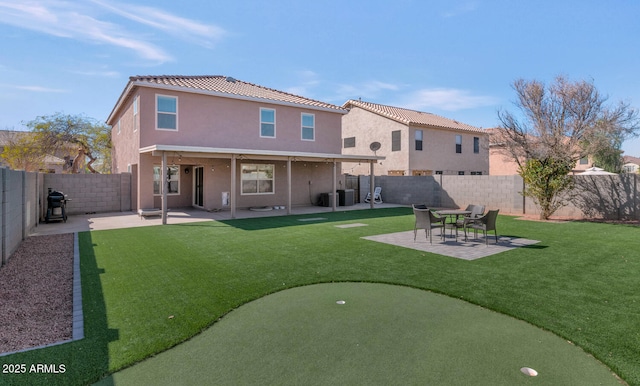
91	193
608	197
12	218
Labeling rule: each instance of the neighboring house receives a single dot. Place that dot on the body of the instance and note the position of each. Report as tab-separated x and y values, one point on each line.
49	164
224	143
501	163
630	164
413	143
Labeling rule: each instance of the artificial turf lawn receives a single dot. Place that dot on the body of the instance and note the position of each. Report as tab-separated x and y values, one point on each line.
580	282
381	335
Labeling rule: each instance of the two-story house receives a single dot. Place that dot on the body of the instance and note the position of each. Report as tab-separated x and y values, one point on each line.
216	142
413	143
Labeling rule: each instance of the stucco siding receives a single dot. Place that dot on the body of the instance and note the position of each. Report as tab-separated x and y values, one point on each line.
212	121
367	128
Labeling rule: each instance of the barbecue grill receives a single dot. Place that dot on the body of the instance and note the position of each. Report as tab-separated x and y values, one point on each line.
56	202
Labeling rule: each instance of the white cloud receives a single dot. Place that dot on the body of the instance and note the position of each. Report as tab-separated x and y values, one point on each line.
447	99
77	20
204	34
72	20
307	80
466	7
368	91
40	89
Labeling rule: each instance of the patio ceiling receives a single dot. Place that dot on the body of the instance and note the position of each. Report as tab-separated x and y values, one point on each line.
235	154
276	155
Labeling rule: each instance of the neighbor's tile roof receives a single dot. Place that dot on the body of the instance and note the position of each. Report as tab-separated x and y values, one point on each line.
412	117
228	85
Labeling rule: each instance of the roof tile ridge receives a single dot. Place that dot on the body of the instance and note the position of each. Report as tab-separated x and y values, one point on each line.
290	94
375	107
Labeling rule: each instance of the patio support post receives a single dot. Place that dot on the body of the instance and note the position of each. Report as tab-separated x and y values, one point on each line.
371	183
165	186
233	186
288	185
333	190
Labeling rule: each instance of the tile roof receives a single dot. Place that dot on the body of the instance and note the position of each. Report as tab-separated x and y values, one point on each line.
220	84
411	117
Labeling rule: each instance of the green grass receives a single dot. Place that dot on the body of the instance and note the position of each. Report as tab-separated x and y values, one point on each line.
383	335
148	289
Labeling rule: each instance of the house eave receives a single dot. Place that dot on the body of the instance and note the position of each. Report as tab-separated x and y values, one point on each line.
275	155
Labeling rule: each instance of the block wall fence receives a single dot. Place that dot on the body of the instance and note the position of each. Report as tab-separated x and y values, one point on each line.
597	197
24	200
24	197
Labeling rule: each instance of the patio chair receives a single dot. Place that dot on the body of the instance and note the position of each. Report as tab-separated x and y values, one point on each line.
477	211
425	219
485	223
377	198
419	206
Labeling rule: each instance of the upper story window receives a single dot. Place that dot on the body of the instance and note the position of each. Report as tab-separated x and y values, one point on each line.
349	142
119	129
136	101
267	123
418	137
257	179
458	144
396	140
166	112
584	161
476	145
308	127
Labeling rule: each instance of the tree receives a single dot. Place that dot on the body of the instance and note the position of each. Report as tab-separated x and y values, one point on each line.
558	125
21	152
91	140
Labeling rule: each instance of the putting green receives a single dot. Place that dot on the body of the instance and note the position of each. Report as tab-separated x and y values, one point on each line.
382	334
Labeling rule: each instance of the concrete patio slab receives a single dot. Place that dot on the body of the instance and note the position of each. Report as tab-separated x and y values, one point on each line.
117	220
466	250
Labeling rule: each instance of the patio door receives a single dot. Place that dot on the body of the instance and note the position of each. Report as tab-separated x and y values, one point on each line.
198	188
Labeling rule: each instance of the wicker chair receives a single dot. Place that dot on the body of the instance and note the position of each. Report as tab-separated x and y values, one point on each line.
425	219
485	223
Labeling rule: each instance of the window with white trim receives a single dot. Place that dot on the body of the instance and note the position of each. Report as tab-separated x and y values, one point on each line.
458	144
267	123
258	179
173	178
308	127
135	113
166	112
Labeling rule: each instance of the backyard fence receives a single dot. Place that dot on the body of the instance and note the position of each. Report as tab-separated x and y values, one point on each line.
24	200
610	197
24	196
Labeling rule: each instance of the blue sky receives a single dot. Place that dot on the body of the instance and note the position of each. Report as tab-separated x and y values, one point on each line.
453	58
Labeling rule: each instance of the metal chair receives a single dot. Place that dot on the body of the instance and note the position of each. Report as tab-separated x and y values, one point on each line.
425	219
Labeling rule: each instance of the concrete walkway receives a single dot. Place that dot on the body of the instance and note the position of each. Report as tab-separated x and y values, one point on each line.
117	220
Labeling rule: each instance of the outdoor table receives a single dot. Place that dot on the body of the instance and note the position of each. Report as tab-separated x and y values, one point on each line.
453	214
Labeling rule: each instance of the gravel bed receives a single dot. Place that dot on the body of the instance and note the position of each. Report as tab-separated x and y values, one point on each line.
36	293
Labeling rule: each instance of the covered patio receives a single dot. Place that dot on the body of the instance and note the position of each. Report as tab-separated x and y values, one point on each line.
235	155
